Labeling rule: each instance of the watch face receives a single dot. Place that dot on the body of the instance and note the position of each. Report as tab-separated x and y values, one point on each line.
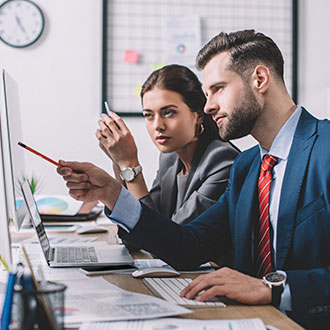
21	23
275	277
127	174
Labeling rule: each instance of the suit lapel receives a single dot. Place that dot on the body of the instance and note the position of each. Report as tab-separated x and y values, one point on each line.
298	159
169	189
246	215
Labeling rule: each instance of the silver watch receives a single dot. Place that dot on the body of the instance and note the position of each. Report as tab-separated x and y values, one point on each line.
276	282
129	173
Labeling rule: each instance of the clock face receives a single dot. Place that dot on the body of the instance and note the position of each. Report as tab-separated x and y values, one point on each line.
21	23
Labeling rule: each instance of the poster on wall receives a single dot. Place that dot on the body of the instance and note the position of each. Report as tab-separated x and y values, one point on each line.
181	39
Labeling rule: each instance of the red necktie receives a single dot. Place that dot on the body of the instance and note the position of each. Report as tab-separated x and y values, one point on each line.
263	249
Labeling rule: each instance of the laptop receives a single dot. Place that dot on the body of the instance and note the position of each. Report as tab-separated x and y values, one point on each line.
73	256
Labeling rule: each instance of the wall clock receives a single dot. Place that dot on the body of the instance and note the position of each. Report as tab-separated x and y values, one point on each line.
21	23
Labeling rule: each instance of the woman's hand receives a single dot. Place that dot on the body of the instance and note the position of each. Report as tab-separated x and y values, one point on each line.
87	182
116	140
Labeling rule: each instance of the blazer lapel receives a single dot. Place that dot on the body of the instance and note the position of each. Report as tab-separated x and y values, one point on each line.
192	179
247	214
169	189
292	183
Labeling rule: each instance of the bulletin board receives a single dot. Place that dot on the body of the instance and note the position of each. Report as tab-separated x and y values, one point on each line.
140	36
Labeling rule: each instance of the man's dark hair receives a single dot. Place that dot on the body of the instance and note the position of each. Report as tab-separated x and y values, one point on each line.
180	79
247	48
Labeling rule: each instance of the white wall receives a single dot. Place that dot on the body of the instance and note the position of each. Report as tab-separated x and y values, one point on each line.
59	81
314	50
60	85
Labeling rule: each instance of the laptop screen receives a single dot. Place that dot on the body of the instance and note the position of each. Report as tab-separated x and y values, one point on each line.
35	217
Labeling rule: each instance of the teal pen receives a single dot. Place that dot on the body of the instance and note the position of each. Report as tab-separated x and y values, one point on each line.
8	303
107	109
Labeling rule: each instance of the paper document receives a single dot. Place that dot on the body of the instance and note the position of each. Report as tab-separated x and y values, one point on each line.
144	263
178	324
34	252
3	285
103	220
110	303
3	276
57	205
148	263
59	239
181	39
58	274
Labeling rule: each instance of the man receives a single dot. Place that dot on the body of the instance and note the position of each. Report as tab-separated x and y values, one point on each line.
275	213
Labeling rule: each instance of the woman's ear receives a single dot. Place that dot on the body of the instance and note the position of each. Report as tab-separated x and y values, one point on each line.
200	119
199	124
261	78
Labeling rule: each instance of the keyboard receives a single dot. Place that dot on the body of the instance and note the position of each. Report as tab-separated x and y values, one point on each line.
75	255
169	289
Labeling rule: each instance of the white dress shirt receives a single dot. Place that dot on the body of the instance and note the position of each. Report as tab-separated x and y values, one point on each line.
280	148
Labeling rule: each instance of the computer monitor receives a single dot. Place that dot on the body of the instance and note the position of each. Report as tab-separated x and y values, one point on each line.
12	157
5	248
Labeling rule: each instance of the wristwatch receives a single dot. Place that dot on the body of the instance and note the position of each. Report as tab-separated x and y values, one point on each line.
275	281
129	173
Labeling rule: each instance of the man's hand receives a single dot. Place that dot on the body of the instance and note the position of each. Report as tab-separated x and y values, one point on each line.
231	284
87	182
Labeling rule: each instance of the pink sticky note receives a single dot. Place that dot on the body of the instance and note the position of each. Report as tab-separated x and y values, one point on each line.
131	56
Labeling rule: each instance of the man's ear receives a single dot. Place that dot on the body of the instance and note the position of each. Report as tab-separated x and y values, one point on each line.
261	78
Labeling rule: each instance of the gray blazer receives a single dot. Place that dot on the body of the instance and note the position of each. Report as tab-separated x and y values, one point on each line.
207	180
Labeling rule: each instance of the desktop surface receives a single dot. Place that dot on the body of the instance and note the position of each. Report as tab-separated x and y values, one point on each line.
267	313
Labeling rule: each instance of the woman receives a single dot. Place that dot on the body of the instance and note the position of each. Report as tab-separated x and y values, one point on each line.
194	163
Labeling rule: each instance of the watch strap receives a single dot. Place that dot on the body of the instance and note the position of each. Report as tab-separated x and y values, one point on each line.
137	170
276	282
276	295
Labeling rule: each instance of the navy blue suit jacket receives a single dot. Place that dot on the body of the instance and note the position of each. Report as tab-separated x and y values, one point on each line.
303	236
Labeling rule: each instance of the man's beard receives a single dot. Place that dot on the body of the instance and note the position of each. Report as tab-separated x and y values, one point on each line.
243	118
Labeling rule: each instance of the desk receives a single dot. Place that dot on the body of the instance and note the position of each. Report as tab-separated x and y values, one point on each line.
269	314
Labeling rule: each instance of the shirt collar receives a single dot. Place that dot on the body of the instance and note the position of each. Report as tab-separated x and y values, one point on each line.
281	145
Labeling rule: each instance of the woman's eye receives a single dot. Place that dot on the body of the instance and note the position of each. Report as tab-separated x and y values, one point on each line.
147	115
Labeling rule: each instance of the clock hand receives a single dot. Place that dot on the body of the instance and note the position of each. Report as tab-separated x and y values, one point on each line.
20	24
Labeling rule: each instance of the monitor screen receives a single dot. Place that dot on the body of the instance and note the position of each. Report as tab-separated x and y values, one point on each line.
13	158
5	248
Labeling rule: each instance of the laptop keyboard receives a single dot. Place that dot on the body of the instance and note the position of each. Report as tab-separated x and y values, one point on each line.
77	254
170	288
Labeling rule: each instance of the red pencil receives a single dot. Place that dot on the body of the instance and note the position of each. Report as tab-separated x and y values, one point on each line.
39	154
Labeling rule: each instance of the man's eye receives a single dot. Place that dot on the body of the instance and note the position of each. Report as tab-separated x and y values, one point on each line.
218	88
169	112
